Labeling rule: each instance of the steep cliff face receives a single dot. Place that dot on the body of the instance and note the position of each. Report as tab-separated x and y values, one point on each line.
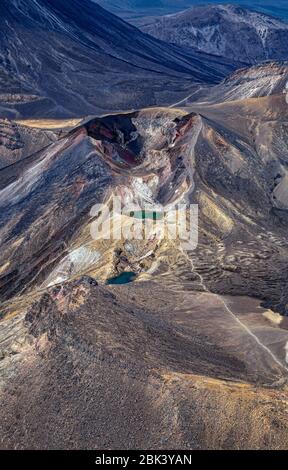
224	30
61	60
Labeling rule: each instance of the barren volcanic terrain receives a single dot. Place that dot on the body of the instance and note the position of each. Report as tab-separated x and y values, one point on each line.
151	341
197	342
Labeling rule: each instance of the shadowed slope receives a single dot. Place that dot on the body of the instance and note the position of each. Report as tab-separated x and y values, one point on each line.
74	58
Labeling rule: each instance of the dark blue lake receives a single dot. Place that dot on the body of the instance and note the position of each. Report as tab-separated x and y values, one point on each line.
123	278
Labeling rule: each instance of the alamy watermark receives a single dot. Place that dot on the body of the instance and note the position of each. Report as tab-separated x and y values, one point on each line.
115	221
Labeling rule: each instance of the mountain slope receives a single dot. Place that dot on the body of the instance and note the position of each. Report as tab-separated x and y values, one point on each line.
60	59
258	81
18	141
225	30
92	367
179	343
238	149
132	9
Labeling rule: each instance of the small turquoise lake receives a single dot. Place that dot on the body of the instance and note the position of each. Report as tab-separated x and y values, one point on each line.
123	278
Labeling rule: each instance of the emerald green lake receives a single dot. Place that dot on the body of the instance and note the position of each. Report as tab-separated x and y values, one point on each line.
153	215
